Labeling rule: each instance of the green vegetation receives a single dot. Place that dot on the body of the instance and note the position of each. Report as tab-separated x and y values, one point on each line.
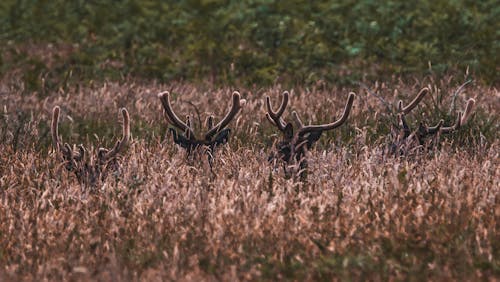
234	42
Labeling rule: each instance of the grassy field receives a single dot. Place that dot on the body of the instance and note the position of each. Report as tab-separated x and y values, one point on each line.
247	42
360	215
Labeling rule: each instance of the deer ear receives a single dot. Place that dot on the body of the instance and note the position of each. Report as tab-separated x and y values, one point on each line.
422	129
312	138
222	137
288	131
179	139
101	153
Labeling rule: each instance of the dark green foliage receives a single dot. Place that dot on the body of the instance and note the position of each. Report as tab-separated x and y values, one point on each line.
258	41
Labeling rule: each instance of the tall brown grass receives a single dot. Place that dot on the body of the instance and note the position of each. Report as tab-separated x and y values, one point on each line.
360	215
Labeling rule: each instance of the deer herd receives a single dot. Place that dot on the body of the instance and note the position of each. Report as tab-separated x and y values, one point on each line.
291	151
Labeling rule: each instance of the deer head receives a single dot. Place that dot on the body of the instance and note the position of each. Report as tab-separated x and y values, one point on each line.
404	138
216	135
89	170
296	142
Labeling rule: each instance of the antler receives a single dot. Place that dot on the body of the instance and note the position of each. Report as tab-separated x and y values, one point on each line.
461	117
413	104
294	145
432	129
275	117
66	149
235	108
76	161
310	128
172	117
120	144
54	127
215	136
423	130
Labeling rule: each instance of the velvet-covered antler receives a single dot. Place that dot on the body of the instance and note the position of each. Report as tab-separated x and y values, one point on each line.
295	143
408	139
89	171
216	134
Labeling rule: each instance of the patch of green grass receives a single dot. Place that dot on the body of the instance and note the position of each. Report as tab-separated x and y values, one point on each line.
249	42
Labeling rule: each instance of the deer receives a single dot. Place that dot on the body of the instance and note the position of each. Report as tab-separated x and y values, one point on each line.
89	170
404	139
216	135
296	142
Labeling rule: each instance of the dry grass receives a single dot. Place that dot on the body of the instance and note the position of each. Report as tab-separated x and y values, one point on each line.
360	215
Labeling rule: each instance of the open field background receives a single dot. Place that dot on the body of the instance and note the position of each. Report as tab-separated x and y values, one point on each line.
360	215
248	42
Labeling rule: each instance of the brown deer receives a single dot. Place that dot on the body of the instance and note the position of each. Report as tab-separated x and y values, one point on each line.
405	140
89	170
295	143
216	135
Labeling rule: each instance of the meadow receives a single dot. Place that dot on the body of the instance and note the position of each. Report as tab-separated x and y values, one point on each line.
361	214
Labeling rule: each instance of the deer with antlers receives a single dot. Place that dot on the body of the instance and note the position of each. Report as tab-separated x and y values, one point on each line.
405	140
295	143
89	170
183	133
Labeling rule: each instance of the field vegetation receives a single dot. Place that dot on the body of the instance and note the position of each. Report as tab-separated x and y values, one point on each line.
359	214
